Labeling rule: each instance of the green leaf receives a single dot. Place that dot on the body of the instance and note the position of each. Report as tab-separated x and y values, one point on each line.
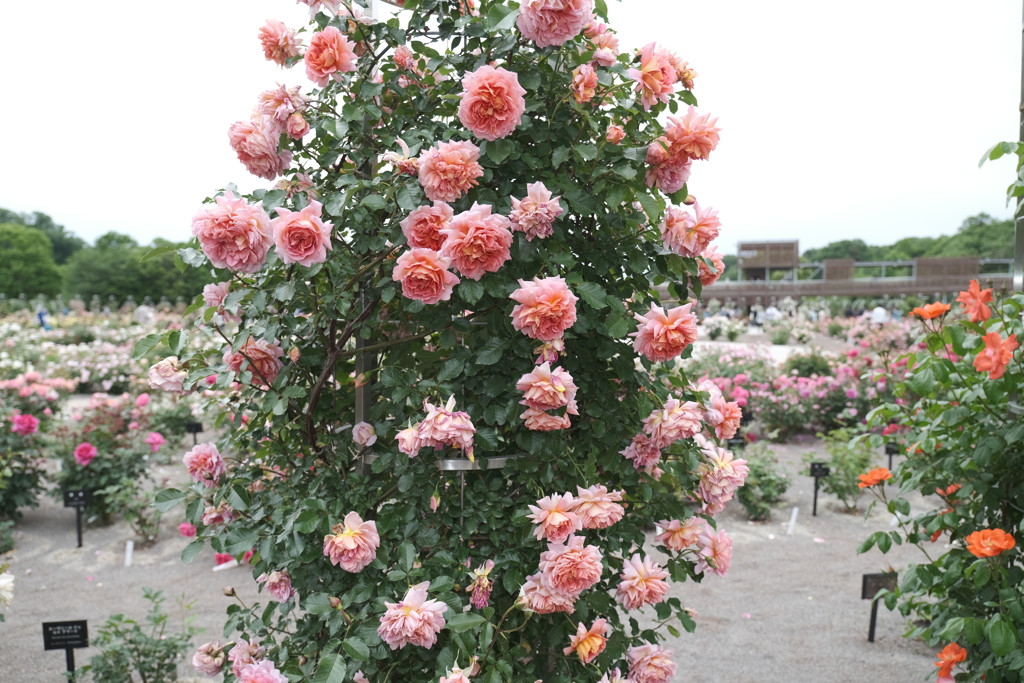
179	264
167	499
241	541
464	621
451	369
192	550
559	156
156	251
1001	637
144	345
868	543
274	199
319	604
498	150
500	18
407	556
307	521
602	11
593	294
406	199
492	351
470	291
356	649
952	629
586	152
441	584
974	631
331	669
651	207
374	201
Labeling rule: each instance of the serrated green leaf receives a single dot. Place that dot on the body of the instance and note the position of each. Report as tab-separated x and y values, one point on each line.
157	251
192	550
451	369
500	18
144	345
331	669
492	351
167	499
464	621
356	649
319	604
1001	636
374	201
559	156
593	294
307	521
470	291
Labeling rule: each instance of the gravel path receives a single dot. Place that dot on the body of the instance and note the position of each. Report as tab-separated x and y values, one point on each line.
788	611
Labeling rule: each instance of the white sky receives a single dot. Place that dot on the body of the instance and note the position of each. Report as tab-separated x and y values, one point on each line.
840	120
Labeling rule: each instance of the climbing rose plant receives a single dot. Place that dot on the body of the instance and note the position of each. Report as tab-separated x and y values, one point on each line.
438	330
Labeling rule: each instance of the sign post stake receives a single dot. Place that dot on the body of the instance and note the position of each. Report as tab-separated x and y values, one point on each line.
870	588
78	499
66	635
891	449
818	470
69	654
78	526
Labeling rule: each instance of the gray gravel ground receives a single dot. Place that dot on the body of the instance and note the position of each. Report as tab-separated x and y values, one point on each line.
788	611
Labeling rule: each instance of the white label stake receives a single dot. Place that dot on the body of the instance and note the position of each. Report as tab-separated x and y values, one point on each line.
792	521
129	550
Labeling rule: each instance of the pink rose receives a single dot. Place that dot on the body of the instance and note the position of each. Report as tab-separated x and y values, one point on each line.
554	517
606	48
598	508
234	234
296	126
260	357
330	54
262	672
720	476
553	22
155	441
615	134
279	104
205	464
245	653
643	583
663	336
541	421
279	585
84	453
133	425
695	135
584	83
214	294
222	514
409	440
364	434
353	544
547	389
707	275
168	375
678	536
255	145
644	452
535	214
301	236
546	308
422	227
656	77
674	421
572	567
668	172
186	529
24	424
588	643
538	598
650	664
424	276
445	426
404	58
715	552
415	620
142	400
492	102
209	658
449	170
278	41
477	241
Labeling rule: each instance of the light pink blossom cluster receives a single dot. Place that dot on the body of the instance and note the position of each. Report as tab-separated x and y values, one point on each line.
565	571
662	335
535	214
477	241
553	22
603	41
720	476
544	390
689	234
352	544
209	658
245	653
674	421
416	620
443	426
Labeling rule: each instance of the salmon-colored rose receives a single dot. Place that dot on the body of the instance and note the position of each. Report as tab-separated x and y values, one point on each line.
689	234
588	643
301	236
477	241
554	517
656	77
422	227
998	352
492	102
261	357
950	656
255	145
279	42
974	300
643	583
931	311
330	54
662	335
584	83
707	275
424	276
989	542
546	308
615	134
553	22
449	170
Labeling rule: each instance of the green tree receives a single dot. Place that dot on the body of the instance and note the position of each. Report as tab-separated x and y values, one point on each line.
64	243
26	264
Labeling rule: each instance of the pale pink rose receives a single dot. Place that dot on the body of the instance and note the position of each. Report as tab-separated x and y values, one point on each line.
540	421
678	535
205	464
279	585
364	434
301	236
656	77
662	335
409	440
546	308
554	517
477	241
492	102
709	276
572	567
245	653
553	22
615	134
187	529
168	375
296	126
422	227
547	389
133	425
279	104
720	476
214	294
548	352
606	48
644	452
84	453
449	170
695	134
676	420
222	514
415	620
234	234
650	664
255	145
715	552
535	214
588	643
24	424
142	400
209	658
404	58
259	356
353	544
669	168
424	276
687	234
261	672
614	676
358	677
330	54
597	507
538	598
279	42
435	501
584	83
724	417
456	675
334	6
444	426
403	162
643	583
155	441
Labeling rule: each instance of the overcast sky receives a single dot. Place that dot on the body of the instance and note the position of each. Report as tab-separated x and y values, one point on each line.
840	120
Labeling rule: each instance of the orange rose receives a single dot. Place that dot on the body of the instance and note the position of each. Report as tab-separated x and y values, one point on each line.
989	542
951	655
997	353
931	311
874	477
974	300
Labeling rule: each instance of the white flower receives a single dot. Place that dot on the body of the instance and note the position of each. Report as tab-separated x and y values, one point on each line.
6	589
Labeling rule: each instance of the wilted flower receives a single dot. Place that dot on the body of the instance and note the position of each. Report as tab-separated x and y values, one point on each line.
279	585
414	620
279	42
205	464
481	585
209	659
535	214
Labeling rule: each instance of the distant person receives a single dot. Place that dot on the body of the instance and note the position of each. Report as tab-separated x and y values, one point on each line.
772	314
43	316
879	316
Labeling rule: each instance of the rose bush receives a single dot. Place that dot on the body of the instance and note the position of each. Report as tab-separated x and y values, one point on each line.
394	448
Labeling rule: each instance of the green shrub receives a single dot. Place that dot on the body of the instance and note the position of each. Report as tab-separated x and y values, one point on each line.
780	334
808	364
836	329
135	505
6	537
765	484
27	265
848	459
21	476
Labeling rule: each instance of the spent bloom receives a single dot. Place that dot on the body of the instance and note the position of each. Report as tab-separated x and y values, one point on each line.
259	356
187	529
650	664
598	508
546	308
584	83
456	675
205	464
644	452
614	676
255	144
448	170
570	568
553	22
279	585
445	426
998	352
643	583
974	301
245	653
364	434
554	517
541	421
24	424
720	476
84	453
403	162
689	234
301	236
353	544
715	554
989	542
279	42
261	672
588	643
409	440
535	214
209	658
330	54
481	585
492	102
234	234
678	535
477	241
279	104
222	514
656	77
415	620
168	375
537	597
422	227
662	335
547	389
425	276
